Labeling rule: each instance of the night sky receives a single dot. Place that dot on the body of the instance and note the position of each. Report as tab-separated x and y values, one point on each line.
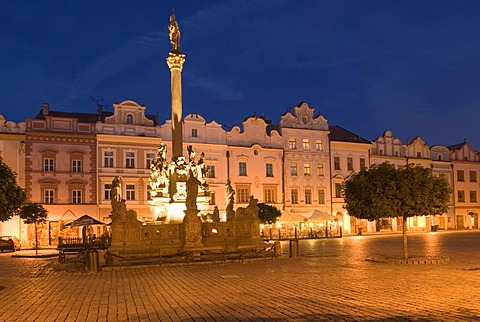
368	66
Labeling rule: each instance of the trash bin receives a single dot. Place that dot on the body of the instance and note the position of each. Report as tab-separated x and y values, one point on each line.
359	231
92	261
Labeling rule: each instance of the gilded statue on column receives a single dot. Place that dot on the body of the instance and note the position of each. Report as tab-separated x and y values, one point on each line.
174	34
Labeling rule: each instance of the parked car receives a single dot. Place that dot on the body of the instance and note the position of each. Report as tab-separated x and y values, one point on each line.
9	243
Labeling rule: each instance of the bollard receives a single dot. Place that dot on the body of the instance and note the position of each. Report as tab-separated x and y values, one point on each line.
278	249
92	261
293	248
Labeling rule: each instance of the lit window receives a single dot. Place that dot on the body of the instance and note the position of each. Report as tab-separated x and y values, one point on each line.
129	160
48	196
293	169
269	170
149	160
460	175
350	164
48	165
336	163
108	159
320	170
307	171
107	192
306	144
308	196
319	145
77	166
321	196
130	192
149	192
294	195
292	144
76	196
129	119
194	133
242	168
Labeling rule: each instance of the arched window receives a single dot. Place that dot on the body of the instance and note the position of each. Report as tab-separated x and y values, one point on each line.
129	119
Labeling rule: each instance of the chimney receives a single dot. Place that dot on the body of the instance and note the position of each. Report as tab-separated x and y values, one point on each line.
45	108
99	111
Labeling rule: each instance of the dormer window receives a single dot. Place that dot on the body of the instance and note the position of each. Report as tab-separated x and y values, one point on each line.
129	119
194	133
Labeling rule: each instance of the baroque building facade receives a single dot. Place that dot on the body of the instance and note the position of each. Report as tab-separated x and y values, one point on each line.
67	161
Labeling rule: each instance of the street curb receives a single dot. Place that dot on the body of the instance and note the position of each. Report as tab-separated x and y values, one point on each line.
410	261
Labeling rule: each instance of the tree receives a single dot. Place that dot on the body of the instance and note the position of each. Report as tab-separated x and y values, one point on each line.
384	191
34	213
268	214
12	196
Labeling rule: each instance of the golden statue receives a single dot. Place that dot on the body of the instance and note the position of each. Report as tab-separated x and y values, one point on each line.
174	34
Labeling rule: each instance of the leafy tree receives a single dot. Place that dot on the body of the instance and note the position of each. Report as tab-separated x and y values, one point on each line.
12	196
268	214
34	213
383	191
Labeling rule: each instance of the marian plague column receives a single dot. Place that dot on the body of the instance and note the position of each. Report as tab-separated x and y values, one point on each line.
175	62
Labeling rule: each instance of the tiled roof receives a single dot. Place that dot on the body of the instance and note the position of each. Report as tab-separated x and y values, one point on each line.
338	133
86	117
456	146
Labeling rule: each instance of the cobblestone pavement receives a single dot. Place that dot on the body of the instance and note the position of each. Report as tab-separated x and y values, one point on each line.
331	281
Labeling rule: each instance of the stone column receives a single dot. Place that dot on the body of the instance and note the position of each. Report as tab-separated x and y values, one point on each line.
175	63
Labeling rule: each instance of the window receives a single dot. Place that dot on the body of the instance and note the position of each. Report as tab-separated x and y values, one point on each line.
108	159
77	166
48	165
473	176
269	170
76	196
321	196
439	157
307	171
308	196
336	163
130	192
293	169
243	194
338	190
460	175
242	168
461	196
129	160
269	195
306	144
294	195
210	171
319	145
362	163
107	192
419	154
48	196
194	133
129	119
473	196
292	144
149	157
320	170
350	164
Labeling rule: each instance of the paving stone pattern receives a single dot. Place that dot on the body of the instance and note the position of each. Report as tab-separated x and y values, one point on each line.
331	281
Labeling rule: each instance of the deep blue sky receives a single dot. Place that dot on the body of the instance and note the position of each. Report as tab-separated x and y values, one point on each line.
368	66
